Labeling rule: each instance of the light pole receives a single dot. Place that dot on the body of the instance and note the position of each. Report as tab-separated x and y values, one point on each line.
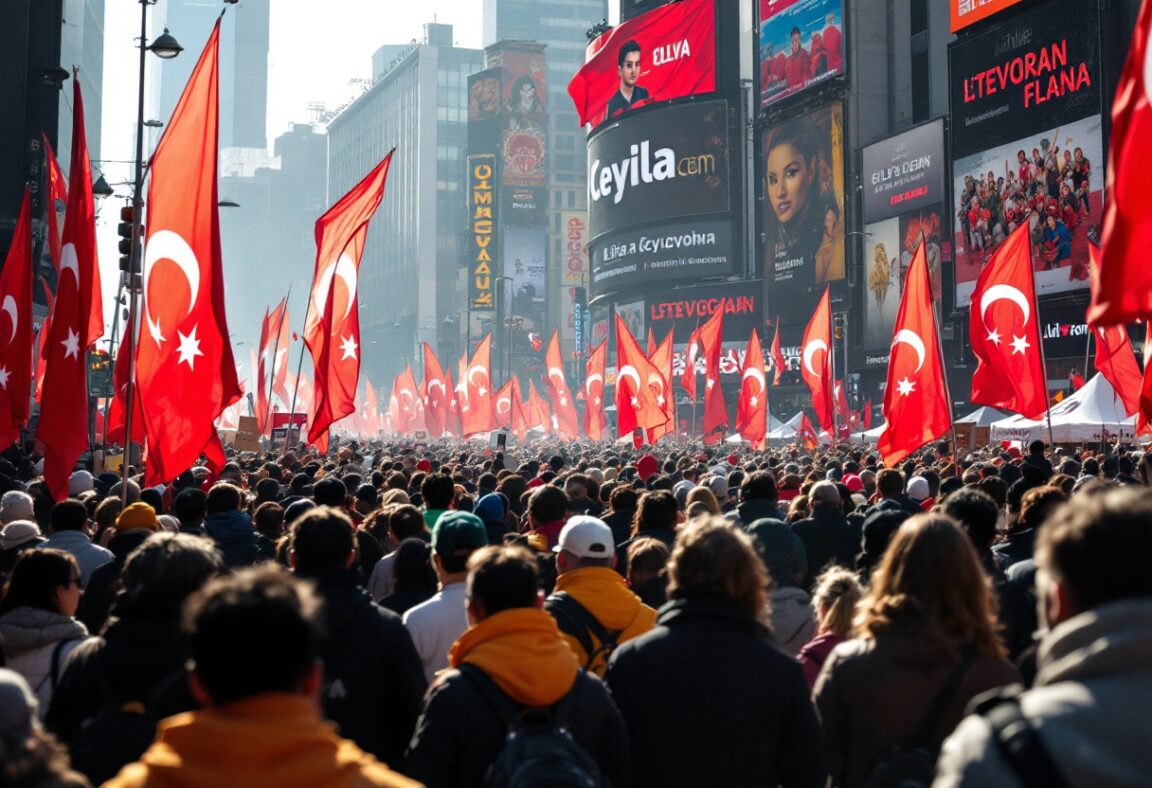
505	324
166	48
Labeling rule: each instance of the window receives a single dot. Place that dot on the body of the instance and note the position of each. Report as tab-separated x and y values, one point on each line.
920	78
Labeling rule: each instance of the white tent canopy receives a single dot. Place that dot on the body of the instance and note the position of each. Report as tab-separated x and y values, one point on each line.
1093	413
773	424
786	430
983	417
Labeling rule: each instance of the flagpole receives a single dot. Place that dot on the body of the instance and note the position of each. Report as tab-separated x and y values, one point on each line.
835	436
1087	350
1043	361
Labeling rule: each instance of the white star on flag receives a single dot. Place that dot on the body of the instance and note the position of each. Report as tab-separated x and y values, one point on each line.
348	346
905	387
635	402
189	348
994	336
660	400
596	401
481	390
4	375
1019	344
710	383
753	401
71	344
563	400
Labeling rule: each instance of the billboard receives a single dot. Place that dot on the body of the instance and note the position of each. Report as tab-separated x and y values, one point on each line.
904	173
484	95
523	150
962	13
483	229
803	175
660	165
888	249
1027	142
666	53
800	43
682	310
573	275
524	264
685	250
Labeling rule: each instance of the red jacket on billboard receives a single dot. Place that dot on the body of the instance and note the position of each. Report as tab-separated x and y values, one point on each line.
663	54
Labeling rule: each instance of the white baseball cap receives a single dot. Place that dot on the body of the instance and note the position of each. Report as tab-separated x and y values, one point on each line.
586	537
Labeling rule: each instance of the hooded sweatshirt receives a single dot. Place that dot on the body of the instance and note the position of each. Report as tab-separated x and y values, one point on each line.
28	638
521	651
605	594
234	535
274	739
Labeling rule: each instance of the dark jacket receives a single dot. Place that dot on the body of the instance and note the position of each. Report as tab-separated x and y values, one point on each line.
101	588
751	706
400	602
665	535
899	503
234	535
370	552
620	523
373	677
828	539
1017	547
748	512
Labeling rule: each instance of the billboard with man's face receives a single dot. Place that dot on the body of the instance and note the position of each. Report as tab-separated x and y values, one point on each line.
801	43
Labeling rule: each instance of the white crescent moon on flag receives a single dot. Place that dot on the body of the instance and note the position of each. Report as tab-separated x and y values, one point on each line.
755	374
912	339
554	372
169	245
810	350
69	262
436	382
14	313
588	382
472	374
346	270
503	401
629	371
1005	293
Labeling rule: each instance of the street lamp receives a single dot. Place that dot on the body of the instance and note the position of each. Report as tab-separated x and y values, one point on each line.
101	188
165	46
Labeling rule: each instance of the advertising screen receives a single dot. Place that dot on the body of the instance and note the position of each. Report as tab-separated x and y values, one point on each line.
662	54
904	173
1027	143
483	229
686	250
573	273
802	169
484	94
965	12
801	44
682	310
524	263
660	165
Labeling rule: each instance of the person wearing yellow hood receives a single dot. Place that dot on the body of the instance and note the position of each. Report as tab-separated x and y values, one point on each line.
255	646
592	603
511	657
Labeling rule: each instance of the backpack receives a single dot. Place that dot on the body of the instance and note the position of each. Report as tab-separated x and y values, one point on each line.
539	751
577	621
913	764
1017	740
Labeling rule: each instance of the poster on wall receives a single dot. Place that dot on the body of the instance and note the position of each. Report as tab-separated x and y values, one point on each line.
483	230
801	43
484	95
524	264
802	169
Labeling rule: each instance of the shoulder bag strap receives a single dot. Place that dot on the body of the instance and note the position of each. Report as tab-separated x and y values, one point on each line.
922	736
574	619
496	698
1021	746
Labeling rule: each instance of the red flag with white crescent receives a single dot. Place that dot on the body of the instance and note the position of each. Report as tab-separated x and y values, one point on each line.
1115	358
691	354
452	406
332	332
503	410
816	360
476	409
272	362
715	409
16	327
661	357
78	321
567	421
436	409
594	419
752	407
776	356
916	397
57	193
636	396
1004	331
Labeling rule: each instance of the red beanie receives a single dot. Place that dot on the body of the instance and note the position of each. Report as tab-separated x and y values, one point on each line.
647	466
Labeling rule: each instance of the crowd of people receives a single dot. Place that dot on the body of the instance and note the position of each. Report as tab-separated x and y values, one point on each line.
582	614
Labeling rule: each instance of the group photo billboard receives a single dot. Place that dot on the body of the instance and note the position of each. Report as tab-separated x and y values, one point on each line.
685	250
1027	143
662	54
663	164
800	44
802	161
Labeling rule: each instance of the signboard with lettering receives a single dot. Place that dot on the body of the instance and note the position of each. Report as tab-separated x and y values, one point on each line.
483	235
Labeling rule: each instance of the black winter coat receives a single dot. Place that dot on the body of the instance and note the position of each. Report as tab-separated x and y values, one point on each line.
709	700
101	589
459	734
373	677
828	539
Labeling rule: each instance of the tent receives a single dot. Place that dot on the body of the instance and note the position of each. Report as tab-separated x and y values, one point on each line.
786	430
773	424
1093	413
983	417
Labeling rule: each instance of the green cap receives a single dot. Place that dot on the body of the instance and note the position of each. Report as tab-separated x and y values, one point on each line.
458	534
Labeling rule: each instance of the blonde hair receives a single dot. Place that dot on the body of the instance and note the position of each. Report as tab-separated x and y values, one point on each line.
930	582
714	559
836	596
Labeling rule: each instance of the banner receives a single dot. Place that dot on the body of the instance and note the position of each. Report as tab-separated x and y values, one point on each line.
660	165
904	173
666	53
686	250
483	234
801	43
962	13
524	264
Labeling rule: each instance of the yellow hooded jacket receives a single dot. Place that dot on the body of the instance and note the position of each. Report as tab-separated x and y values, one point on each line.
605	594
274	740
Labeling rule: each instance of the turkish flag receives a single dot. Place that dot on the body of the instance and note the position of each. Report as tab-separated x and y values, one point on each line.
42	338
16	327
867	417
567	421
752	406
1144	416
638	385
114	426
451	407
715	410
519	417
78	321
436	410
332	332
503	415
776	356
537	413
1116	361
476	406
370	413
816	360
661	358
272	360
691	354
843	415
409	396
57	193
594	419
1124	294
916	398
686	34
1004	332
806	433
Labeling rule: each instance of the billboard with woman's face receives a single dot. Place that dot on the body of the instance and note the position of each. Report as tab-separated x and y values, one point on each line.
802	170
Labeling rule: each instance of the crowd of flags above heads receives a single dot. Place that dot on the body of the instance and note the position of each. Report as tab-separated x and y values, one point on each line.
186	380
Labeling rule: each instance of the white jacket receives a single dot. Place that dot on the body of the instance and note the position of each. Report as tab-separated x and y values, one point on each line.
28	638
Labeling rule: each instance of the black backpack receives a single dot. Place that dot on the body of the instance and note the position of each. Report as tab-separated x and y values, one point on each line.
539	751
913	764
1018	742
576	620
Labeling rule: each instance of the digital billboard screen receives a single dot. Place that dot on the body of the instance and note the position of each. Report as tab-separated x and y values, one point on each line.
966	12
662	164
685	250
800	43
1027	143
483	229
904	173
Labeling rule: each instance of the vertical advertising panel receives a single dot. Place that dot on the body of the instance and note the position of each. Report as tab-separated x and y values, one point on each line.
1027	143
573	273
802	169
524	265
801	44
483	231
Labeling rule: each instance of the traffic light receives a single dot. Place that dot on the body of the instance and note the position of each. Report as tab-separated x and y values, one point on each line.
124	230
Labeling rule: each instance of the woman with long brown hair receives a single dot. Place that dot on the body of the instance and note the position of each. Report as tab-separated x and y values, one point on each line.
925	632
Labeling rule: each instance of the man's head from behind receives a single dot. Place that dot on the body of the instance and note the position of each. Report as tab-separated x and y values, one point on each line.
329	491
976	513
252	633
455	538
628	63
890	483
322	541
584	542
758	486
502	578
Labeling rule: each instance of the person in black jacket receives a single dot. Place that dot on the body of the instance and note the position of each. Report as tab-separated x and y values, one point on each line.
827	536
890	485
230	527
133	526
139	659
707	678
373	677
512	649
331	491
